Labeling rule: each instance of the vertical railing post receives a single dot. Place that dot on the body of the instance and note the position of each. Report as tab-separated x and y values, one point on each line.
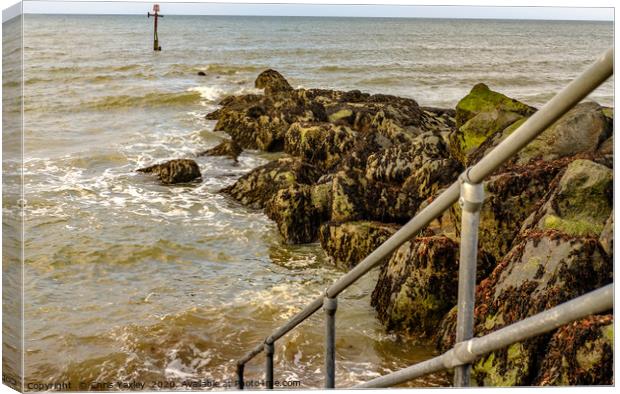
269	350
330	305
240	368
472	196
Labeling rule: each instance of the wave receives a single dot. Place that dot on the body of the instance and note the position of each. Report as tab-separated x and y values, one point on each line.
231	69
148	100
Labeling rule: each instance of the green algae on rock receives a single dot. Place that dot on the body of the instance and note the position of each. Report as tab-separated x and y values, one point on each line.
581	202
349	243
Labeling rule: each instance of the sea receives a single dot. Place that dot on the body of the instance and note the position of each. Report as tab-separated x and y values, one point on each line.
126	280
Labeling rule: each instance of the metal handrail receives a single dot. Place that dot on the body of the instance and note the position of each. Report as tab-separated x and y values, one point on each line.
555	108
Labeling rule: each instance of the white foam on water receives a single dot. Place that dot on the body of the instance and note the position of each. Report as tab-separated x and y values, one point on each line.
208	93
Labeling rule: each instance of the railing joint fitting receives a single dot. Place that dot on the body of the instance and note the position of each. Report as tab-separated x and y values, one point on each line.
269	348
330	305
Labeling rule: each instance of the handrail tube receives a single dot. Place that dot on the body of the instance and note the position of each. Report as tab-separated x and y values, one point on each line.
597	301
563	101
553	110
251	354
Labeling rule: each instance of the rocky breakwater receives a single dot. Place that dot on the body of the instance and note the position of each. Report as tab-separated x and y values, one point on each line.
358	166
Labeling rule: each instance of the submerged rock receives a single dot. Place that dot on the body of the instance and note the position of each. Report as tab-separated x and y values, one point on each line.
226	148
258	186
174	171
349	243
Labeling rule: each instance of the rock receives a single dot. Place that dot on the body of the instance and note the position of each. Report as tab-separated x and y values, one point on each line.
483	116
580	354
607	147
174	171
202	74
321	144
226	148
580	204
418	285
259	185
298	211
398	162
581	130
484	126
607	235
482	99
273	82
349	243
543	270
510	197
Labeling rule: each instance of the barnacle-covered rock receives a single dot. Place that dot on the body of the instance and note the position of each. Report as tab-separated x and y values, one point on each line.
349	243
322	144
581	130
258	186
544	269
418	285
579	354
580	204
298	211
226	148
174	171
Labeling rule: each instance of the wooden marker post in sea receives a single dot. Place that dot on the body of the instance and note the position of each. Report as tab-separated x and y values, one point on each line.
155	13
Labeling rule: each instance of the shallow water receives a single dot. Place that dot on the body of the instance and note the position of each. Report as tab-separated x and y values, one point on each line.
129	280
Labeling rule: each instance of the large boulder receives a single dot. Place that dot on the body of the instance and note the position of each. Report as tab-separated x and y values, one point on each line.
272	82
580	204
418	285
580	354
510	197
543	270
298	211
480	116
581	130
174	171
482	99
322	144
349	243
258	186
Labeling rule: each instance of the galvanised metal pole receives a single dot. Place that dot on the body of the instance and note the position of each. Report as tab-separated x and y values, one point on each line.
240	369
597	301
269	350
330	305
472	196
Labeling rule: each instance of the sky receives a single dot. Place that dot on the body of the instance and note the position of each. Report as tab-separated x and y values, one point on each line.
411	11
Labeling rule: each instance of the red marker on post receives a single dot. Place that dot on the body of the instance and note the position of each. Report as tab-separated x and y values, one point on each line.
155	13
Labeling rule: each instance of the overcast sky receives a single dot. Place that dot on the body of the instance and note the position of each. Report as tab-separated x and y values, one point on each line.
563	13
